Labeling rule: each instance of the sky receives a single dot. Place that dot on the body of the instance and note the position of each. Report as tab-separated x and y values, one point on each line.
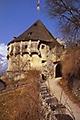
16	16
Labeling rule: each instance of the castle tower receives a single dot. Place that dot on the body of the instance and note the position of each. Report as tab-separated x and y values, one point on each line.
32	49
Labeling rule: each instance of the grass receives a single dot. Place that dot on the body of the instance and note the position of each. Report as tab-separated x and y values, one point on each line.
21	103
63	83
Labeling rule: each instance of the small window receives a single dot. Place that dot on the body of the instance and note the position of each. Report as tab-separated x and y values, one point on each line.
50	48
43	77
39	55
43	46
11	53
43	61
29	34
8	57
8	48
25	46
35	24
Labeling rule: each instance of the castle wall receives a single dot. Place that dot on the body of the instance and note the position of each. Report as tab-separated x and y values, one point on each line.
38	49
23	56
32	52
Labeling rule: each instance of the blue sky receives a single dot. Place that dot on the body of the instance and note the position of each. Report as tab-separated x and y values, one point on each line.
17	15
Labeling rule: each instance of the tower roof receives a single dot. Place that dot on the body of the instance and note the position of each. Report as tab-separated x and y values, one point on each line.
37	31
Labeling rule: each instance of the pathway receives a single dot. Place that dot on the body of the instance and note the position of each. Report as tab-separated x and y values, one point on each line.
53	109
64	99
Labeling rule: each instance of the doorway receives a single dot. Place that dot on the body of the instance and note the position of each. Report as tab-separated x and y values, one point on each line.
58	70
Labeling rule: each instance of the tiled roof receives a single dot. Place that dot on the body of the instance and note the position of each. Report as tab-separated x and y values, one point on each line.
37	31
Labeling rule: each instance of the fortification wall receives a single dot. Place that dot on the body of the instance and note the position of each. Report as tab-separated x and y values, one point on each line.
32	53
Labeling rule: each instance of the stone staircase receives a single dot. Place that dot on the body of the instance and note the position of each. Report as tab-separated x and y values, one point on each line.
51	107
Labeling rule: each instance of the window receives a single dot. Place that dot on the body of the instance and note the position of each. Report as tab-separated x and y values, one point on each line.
8	57
8	48
50	48
43	77
43	46
25	46
29	34
43	61
35	24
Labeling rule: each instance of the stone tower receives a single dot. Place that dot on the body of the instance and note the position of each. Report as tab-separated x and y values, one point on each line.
33	49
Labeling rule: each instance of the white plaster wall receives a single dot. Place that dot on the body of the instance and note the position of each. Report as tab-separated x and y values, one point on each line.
33	61
36	62
44	51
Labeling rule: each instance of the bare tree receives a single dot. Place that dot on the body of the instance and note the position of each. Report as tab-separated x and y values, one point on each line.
67	12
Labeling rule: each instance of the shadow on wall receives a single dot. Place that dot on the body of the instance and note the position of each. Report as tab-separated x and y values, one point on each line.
44	77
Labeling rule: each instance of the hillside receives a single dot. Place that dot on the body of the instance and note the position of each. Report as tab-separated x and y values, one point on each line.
71	70
21	102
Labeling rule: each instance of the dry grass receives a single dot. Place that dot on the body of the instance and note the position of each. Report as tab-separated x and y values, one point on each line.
71	64
64	84
71	72
22	103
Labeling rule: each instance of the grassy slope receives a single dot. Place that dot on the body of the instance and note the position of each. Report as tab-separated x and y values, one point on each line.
21	103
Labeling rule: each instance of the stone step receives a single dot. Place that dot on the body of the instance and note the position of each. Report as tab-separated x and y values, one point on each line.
50	97
44	92
43	86
52	100
53	103
63	117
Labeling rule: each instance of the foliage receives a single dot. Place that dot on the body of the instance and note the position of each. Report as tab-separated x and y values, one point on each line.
71	65
22	102
67	12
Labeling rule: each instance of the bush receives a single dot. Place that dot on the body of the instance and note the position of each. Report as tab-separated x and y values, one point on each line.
23	102
71	65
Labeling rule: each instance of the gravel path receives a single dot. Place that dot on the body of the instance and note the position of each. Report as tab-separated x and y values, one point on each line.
64	99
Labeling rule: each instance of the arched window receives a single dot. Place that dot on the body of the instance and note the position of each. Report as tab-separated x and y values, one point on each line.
25	46
42	46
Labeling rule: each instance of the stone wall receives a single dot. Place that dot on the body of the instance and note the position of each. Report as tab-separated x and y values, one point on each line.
27	55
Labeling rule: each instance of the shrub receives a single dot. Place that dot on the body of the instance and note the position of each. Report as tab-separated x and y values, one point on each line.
71	65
